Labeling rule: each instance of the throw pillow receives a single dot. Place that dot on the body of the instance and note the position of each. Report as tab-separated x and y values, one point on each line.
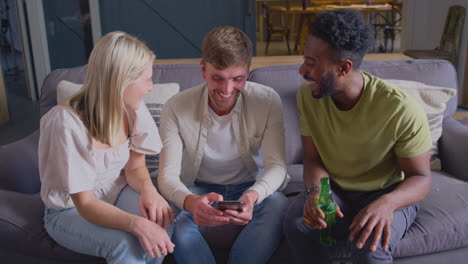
433	100
66	89
154	101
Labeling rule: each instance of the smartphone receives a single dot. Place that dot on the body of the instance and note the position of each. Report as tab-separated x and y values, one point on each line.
232	205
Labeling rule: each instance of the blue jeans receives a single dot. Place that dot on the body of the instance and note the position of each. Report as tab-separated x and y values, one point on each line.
69	229
257	241
304	240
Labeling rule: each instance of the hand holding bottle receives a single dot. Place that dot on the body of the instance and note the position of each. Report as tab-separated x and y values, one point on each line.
321	213
313	215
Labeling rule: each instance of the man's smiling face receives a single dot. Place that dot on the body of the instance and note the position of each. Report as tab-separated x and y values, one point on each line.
318	68
224	86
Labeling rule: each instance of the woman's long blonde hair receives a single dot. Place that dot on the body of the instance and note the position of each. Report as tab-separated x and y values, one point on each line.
116	61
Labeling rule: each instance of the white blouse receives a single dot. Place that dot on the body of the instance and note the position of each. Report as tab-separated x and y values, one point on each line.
68	162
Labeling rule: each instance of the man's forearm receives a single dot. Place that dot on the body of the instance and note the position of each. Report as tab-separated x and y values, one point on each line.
412	190
271	180
313	171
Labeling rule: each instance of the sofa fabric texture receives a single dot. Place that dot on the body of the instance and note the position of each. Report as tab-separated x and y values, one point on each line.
439	234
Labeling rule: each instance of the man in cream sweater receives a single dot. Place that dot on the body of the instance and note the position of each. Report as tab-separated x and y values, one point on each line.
224	140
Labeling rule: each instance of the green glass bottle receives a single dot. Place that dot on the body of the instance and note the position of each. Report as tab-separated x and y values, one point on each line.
327	205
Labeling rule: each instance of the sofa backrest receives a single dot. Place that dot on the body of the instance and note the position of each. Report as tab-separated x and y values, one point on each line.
286	80
186	75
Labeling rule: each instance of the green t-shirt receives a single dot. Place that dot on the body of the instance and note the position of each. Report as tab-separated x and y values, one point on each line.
359	147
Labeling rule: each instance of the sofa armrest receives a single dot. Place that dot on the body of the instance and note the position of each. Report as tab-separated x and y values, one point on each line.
19	165
20	217
453	148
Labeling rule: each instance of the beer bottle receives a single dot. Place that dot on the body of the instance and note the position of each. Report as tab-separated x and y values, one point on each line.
327	205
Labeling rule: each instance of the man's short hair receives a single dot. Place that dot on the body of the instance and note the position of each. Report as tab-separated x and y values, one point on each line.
227	46
346	32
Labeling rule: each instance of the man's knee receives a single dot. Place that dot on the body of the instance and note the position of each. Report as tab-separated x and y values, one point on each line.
184	225
276	201
293	216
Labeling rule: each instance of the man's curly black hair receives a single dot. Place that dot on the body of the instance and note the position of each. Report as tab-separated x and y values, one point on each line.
347	33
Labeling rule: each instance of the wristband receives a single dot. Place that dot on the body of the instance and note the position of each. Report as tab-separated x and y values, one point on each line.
131	223
312	188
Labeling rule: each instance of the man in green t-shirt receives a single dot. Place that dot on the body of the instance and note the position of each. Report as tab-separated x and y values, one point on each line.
369	137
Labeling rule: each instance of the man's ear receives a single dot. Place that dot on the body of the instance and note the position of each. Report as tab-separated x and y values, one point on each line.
203	69
345	67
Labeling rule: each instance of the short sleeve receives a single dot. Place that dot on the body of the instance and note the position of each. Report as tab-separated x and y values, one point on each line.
144	134
305	128
65	153
413	134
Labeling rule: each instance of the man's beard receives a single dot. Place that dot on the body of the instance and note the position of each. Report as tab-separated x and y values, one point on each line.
327	86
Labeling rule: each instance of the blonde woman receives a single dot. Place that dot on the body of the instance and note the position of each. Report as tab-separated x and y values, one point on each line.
91	207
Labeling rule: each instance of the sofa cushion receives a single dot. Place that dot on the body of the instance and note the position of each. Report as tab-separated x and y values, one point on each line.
442	221
66	89
296	183
154	101
19	165
431	72
186	75
433	100
22	226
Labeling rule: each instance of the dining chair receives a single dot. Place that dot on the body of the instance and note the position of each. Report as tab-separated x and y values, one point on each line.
273	11
450	40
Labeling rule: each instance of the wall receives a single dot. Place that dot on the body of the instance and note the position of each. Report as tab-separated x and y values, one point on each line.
423	23
175	29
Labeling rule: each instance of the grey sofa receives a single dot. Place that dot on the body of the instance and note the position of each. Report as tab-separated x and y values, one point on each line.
439	235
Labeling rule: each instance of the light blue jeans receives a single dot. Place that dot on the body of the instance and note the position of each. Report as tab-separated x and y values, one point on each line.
257	241
72	231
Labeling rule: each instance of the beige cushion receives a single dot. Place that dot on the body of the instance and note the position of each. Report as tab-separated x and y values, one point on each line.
154	101
433	99
66	89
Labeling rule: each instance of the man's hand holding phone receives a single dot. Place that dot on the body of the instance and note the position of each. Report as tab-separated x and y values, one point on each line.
244	215
230	205
203	213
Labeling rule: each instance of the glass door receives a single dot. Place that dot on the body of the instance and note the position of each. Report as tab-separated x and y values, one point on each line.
56	34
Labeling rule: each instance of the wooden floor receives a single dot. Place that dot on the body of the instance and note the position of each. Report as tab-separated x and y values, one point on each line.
462	117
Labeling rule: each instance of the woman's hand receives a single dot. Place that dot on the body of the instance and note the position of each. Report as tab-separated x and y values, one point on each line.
155	208
153	238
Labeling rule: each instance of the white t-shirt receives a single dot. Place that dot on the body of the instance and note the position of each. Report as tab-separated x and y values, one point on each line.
222	162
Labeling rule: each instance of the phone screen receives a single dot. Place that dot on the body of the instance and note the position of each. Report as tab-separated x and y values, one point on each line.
232	205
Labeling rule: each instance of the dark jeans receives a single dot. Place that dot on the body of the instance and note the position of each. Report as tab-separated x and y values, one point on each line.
304	240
